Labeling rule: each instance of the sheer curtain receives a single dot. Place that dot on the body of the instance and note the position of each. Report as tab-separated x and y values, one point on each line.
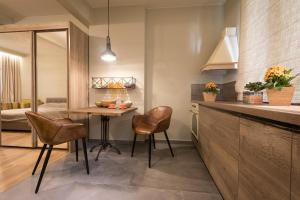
10	78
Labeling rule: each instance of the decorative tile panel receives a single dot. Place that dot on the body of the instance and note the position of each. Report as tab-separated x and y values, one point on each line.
270	33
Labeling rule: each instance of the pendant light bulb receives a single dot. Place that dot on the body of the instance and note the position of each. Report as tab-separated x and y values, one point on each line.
108	55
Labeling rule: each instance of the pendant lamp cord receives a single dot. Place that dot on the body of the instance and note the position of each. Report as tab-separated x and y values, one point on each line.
108	16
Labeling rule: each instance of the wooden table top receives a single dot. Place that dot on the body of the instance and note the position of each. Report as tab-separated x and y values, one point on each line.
103	111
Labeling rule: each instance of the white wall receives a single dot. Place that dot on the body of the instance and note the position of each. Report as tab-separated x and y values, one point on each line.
163	48
232	19
51	70
269	36
128	42
232	13
179	42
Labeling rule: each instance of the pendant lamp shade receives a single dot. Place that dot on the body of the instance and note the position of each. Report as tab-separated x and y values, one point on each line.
108	55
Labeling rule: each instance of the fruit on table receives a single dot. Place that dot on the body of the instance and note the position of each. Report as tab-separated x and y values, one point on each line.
112	106
116	85
122	106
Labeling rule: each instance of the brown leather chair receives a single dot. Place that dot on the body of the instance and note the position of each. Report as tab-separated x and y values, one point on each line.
154	121
53	132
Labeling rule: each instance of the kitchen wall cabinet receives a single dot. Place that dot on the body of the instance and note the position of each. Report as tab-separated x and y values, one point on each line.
249	159
264	162
219	149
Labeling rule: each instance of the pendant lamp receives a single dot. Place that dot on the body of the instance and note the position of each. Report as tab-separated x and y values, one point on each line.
108	55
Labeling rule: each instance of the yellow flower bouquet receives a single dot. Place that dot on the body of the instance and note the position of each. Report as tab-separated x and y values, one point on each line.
278	77
211	87
278	84
210	91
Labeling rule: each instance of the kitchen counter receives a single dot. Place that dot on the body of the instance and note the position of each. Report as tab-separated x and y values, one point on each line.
246	146
284	114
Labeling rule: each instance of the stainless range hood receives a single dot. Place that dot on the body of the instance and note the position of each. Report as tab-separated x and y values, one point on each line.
226	54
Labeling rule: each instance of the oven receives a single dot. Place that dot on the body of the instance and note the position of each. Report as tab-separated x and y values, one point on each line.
195	120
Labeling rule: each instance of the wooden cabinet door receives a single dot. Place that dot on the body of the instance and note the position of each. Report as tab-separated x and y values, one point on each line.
203	138
295	195
264	163
219	138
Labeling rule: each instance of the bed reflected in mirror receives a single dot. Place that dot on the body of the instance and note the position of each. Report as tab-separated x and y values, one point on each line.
16	88
52	76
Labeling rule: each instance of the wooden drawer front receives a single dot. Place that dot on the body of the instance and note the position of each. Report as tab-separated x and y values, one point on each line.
265	162
295	167
219	138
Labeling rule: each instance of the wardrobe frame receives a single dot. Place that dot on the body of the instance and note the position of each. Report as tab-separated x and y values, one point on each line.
77	68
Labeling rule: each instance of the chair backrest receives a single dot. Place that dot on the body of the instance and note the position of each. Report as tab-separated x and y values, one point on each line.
45	128
161	115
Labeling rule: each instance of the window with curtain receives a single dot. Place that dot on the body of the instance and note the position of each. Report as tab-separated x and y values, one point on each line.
10	78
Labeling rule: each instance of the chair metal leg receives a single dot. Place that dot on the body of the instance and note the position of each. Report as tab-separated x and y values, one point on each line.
39	158
44	168
85	156
153	138
149	151
76	148
133	145
167	138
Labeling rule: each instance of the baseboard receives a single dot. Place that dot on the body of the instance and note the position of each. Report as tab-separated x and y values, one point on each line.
94	141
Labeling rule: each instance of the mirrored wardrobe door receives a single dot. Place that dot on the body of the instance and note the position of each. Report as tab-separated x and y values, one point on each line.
16	88
52	75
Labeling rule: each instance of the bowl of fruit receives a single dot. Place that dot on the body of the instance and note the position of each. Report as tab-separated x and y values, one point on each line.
105	103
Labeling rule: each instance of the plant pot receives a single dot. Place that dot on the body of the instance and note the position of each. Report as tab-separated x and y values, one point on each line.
209	96
281	97
253	98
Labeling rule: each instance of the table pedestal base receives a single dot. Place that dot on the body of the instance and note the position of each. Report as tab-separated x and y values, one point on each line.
104	143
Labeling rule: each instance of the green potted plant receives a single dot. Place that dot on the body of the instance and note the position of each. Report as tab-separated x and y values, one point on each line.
253	95
210	92
280	91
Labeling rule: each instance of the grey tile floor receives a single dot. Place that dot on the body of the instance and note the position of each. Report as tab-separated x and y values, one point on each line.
121	177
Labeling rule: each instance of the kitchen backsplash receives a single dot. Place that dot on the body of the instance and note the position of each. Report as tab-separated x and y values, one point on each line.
227	92
268	38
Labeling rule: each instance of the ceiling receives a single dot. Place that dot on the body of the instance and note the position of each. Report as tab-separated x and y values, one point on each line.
11	11
154	3
24	8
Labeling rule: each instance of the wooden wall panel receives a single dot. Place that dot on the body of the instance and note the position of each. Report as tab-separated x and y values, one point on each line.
219	139
265	162
78	72
295	182
78	68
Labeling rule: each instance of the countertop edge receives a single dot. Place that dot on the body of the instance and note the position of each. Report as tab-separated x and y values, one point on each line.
283	116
